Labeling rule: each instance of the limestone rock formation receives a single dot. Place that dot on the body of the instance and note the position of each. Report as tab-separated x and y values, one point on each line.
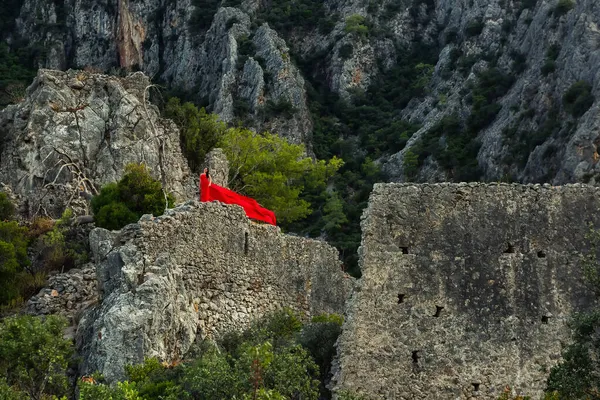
76	131
242	68
201	269
465	289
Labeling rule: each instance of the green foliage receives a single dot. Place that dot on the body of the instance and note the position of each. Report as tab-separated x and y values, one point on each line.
522	142
491	85
319	337
13	259
136	194
474	28
356	23
7	208
16	73
563	7
274	172
33	354
296	16
122	391
551	56
578	98
202	15
576	375
199	131
346	51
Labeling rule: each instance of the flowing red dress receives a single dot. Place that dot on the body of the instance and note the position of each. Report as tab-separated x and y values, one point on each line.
253	210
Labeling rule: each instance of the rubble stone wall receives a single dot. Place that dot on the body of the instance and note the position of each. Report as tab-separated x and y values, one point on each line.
203	268
466	288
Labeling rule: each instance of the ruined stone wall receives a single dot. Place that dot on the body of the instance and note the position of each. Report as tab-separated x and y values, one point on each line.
466	288
203	268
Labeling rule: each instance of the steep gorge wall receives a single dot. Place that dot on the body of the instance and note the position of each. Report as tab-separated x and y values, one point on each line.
466	288
200	270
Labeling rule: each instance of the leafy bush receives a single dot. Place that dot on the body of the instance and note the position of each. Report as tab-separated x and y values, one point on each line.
13	259
563	7
136	194
578	98
274	172
33	354
474	28
7	208
346	51
356	24
296	16
202	15
121	391
199	131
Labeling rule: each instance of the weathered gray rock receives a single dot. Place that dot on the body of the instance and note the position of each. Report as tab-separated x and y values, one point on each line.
76	131
216	162
465	289
201	269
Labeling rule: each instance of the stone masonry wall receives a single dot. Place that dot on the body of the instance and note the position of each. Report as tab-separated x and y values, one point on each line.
204	268
466	288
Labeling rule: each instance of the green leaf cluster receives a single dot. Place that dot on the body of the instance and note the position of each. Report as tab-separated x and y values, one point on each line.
273	359
124	202
13	259
275	172
199	131
34	356
578	98
357	24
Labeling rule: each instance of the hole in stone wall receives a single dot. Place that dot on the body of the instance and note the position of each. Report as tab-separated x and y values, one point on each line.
541	254
404	250
475	386
415	356
438	310
401	298
545	319
510	249
246	243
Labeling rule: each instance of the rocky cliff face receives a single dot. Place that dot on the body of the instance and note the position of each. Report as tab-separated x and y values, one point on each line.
242	68
76	131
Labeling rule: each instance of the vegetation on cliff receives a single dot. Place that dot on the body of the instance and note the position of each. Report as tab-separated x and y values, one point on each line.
278	357
124	202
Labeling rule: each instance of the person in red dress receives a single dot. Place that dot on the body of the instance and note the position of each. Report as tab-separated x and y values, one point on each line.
210	191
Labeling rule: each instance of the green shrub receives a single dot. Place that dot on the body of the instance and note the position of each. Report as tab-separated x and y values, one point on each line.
7	208
274	172
13	259
199	131
548	67
33	354
474	28
563	7
121	391
202	15
356	23
346	51
578	98
136	194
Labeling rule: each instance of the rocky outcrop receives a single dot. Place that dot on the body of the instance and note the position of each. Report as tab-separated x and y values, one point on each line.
201	269
76	131
465	289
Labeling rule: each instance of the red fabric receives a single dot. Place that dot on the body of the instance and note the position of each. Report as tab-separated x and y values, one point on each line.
253	210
